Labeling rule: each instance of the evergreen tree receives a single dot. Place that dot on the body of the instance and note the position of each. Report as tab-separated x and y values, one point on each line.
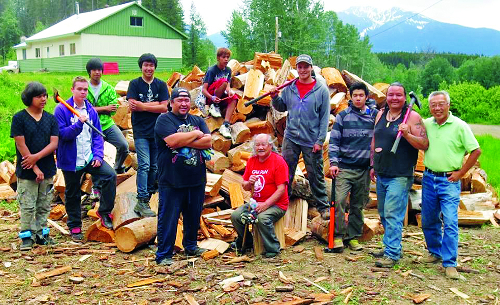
9	31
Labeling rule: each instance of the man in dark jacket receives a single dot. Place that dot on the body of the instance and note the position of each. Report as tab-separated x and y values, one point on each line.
308	104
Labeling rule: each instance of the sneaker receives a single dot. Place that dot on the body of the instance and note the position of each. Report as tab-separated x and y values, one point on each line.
106	220
42	238
338	246
429	259
225	131
214	111
452	273
76	234
377	254
95	195
354	245
325	213
26	244
234	246
167	261
196	252
385	262
142	208
200	102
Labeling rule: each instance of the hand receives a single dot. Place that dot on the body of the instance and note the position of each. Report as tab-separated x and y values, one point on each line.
455	176
112	108
135	105
373	175
82	118
29	161
215	99
334	171
39	174
261	207
404	128
252	179
274	92
199	134
96	163
317	148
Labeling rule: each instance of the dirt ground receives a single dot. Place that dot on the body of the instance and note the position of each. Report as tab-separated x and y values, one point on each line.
106	272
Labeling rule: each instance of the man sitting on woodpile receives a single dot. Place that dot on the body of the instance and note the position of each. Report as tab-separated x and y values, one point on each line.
183	140
451	137
217	90
349	152
266	175
81	150
308	104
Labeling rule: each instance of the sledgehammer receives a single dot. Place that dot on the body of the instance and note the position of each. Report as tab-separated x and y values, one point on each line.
414	101
58	99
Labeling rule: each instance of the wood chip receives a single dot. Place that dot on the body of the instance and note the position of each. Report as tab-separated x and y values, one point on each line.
318	252
321	288
145	282
287	288
459	293
420	298
76	279
57	271
190	299
283	278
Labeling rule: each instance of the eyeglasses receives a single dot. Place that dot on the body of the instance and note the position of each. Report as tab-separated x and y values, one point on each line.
438	105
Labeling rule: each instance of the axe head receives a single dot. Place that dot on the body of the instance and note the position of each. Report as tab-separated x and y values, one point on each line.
415	100
56	95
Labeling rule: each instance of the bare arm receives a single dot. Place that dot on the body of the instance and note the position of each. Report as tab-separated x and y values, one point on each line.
204	142
29	160
262	206
457	175
183	139
373	175
106	109
414	131
155	107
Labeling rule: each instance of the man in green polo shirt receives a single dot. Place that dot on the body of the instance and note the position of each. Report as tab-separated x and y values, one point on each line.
449	139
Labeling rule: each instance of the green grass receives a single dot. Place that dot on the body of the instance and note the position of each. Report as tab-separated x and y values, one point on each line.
12	206
489	161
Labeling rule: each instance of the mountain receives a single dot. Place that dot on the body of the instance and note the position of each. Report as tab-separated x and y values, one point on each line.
398	30
218	40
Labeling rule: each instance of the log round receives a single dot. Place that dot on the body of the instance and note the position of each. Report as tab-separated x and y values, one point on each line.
136	234
123	211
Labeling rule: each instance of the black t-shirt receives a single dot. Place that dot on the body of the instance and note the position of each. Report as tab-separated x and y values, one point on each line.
181	167
143	122
36	136
214	73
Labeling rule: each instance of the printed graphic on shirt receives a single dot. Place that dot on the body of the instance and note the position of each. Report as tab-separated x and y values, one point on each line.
150	97
190	154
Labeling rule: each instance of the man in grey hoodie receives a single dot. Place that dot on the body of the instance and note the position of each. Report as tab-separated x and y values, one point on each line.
308	104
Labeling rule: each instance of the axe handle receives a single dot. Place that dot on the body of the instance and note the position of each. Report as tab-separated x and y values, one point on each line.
400	134
255	100
59	99
331	228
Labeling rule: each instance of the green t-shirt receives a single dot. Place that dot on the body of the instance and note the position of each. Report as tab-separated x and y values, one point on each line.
448	143
107	96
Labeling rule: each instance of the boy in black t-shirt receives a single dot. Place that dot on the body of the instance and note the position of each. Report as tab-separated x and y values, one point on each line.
182	141
147	97
218	92
35	132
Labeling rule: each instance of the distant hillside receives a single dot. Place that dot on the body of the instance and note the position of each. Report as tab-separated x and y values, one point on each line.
419	33
218	40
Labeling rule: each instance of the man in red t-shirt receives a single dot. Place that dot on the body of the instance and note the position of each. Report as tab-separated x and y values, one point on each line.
266	174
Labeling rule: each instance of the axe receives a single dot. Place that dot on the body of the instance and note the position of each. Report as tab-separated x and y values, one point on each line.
255	100
331	226
58	99
414	101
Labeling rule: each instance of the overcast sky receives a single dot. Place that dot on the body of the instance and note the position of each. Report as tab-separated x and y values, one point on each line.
471	13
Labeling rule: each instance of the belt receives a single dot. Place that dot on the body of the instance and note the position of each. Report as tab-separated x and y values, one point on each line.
438	174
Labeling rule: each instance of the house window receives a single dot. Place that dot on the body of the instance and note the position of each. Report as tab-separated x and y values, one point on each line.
72	49
136	21
48	54
61	50
38	53
24	53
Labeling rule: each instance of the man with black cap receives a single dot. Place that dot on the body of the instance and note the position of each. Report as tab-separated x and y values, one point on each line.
308	104
104	99
183	142
147	97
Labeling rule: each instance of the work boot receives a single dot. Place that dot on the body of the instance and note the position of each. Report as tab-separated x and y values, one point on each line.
354	245
385	262
26	240
196	252
452	273
42	238
429	259
225	131
167	261
106	220
271	254
338	245
214	111
325	213
377	254
76	234
142	208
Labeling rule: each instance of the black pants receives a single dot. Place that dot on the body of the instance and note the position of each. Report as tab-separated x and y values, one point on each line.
107	177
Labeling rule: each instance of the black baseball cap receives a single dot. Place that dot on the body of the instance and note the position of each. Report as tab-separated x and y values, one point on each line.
179	91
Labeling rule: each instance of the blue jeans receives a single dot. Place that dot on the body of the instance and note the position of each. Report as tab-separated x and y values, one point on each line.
147	153
173	201
392	195
440	199
115	137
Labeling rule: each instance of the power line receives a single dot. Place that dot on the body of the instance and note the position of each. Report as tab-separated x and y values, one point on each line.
405	19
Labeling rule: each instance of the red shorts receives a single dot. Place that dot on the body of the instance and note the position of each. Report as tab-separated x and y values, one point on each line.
211	89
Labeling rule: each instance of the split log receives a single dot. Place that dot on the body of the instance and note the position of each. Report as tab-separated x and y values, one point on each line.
270	76
420	162
371	227
279	121
57	227
282	73
254	83
260	127
121	87
59	184
240	133
212	201
239	81
57	212
337	99
219	143
279	230
341	106
210	254
478	184
275	60
190	85
213	123
129	136
131	161
296	215
96	232
7	170
218	163
6	192
204	229
122	177
237	117
174	78
196	75
179	236
229	177
136	234
241	108
334	79
234	154
221	230
214	244
236	195
351	78
123	212
293	236
214	183
234	65
382	87
123	117
86	186
128	185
